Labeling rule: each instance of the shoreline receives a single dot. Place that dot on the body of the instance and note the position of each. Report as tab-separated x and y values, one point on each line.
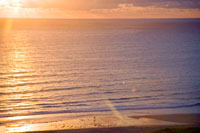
153	129
133	123
133	129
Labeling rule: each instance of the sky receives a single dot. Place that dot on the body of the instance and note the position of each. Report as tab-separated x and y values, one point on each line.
100	9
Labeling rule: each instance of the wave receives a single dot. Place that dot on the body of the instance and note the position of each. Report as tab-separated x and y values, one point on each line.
30	75
29	84
53	89
99	109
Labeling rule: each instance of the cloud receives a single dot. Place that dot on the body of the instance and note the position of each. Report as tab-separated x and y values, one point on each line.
131	11
101	8
108	4
71	4
168	3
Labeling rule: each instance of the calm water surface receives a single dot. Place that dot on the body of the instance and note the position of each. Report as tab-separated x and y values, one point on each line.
87	67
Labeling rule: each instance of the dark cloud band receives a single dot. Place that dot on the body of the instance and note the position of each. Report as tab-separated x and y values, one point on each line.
168	3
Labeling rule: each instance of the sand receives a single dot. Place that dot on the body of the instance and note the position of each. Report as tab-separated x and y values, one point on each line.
114	124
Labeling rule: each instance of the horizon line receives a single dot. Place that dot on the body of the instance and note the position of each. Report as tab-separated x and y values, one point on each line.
97	18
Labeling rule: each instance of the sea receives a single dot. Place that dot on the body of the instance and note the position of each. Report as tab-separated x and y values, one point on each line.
58	69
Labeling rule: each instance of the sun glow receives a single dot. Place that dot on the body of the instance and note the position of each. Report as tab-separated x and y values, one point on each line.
11	8
10	3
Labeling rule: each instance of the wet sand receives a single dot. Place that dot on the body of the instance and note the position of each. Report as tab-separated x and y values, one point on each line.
178	118
115	124
152	129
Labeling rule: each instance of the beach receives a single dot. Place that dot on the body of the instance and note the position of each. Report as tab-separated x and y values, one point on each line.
138	123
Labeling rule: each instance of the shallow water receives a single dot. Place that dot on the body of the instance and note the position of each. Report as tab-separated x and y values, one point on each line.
85	67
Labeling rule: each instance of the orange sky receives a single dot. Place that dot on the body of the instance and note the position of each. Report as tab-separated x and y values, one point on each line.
100	8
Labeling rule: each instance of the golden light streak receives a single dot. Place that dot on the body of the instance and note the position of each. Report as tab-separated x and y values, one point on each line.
7	25
17	63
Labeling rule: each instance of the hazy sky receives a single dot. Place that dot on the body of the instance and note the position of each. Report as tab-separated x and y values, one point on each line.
100	8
